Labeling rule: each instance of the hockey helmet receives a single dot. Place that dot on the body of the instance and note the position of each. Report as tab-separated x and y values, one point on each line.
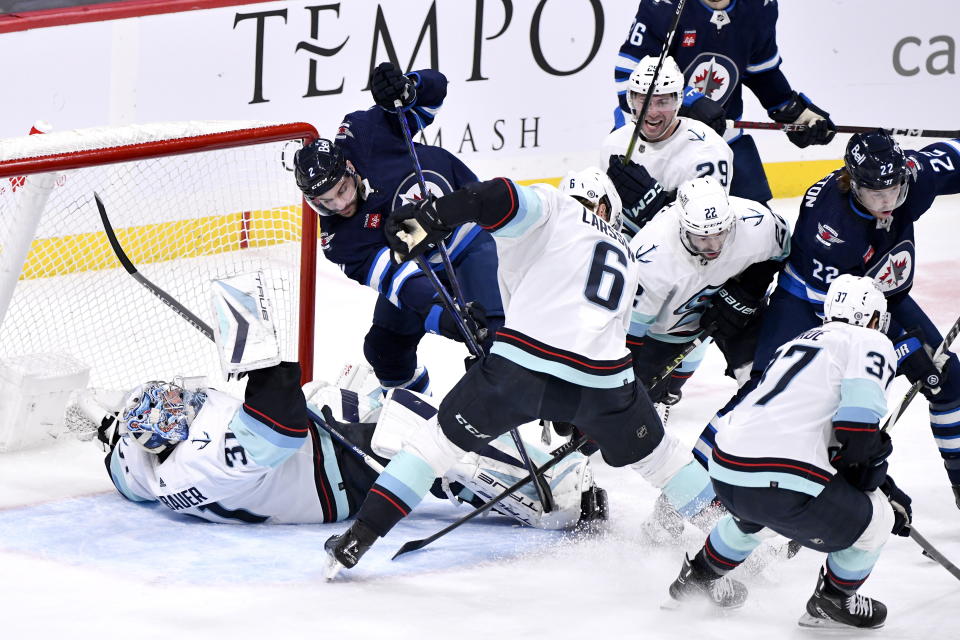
318	168
855	300
591	187
156	415
667	96
879	177
707	220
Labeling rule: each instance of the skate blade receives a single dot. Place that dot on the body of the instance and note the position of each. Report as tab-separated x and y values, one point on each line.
810	622
332	568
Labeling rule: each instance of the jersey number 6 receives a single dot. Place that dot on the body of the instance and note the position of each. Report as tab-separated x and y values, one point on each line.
606	281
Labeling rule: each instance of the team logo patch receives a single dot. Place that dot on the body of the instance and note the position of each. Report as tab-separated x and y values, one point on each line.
326	239
409	189
713	75
344	130
827	235
373	221
689	38
869	254
894	271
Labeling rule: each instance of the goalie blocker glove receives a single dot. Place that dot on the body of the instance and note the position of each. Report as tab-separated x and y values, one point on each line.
388	85
914	362
799	110
641	194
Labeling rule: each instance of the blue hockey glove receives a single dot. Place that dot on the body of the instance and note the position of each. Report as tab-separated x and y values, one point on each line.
388	85
641	194
902	511
799	110
914	362
699	107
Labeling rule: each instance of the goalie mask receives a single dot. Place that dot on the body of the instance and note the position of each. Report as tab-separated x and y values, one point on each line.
707	221
591	188
857	301
156	416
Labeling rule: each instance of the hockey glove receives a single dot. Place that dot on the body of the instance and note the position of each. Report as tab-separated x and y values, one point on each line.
414	229
902	511
699	107
731	310
799	110
641	194
388	85
441	321
862	459
914	362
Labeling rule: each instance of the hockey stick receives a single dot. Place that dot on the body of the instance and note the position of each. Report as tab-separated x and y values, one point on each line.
785	126
203	328
668	41
931	551
558	455
940	357
458	309
687	350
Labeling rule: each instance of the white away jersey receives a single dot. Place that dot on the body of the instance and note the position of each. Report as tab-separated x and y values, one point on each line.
231	469
675	286
567	280
780	433
693	151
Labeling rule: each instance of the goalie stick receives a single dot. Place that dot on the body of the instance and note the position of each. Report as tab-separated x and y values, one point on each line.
558	455
456	307
668	41
909	133
205	329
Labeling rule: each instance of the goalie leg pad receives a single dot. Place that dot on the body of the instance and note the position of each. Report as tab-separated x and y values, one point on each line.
244	332
404	415
496	467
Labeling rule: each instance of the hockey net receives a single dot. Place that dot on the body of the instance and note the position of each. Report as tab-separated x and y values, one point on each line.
190	202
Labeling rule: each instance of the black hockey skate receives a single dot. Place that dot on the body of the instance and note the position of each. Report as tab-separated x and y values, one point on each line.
346	549
593	507
832	609
693	583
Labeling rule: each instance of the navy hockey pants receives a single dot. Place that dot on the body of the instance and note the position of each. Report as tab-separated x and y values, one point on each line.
749	179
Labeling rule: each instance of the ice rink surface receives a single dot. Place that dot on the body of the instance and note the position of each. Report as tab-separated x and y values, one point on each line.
78	561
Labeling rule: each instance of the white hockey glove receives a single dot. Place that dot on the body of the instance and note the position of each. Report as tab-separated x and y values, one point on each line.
244	332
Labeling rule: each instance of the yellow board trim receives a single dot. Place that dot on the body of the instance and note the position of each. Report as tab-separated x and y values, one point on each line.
787	179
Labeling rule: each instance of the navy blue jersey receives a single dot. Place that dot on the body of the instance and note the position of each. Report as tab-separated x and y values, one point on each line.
718	51
373	142
833	235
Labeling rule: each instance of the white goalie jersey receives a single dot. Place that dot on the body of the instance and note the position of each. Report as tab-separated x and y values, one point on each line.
782	431
693	151
675	285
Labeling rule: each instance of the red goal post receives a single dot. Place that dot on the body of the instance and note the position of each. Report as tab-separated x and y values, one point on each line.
191	202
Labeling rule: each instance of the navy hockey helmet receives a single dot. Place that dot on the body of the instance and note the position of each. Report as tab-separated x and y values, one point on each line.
879	177
318	168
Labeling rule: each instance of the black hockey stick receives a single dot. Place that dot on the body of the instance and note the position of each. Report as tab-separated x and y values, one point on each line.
687	350
786	126
457	307
558	455
940	357
205	329
931	551
164	297
668	41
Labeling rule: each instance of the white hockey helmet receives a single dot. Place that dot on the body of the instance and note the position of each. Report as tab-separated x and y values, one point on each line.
591	187
156	415
856	300
670	85
707	220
